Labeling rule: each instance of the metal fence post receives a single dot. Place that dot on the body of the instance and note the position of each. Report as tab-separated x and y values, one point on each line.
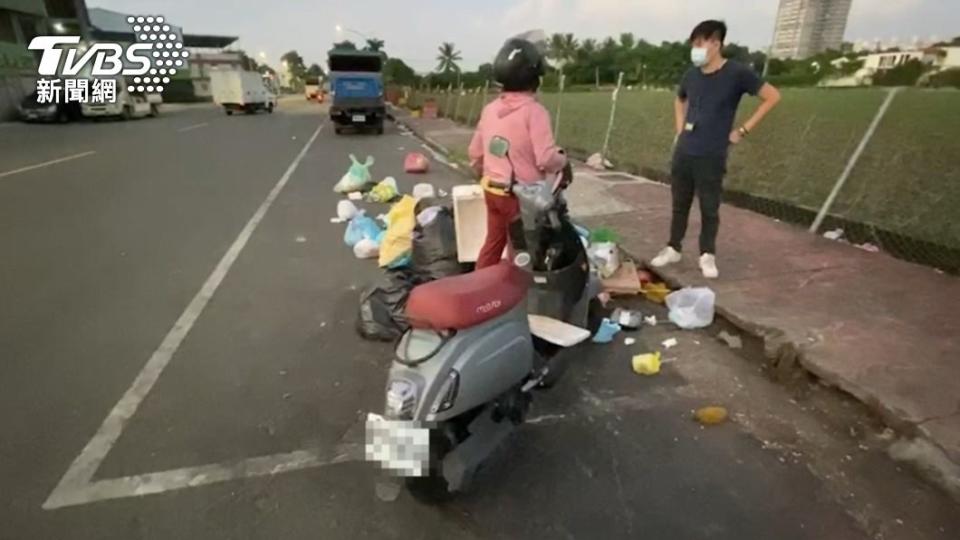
881	112
473	105
456	110
556	116
446	104
613	115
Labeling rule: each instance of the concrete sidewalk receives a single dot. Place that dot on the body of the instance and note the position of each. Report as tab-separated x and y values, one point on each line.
876	327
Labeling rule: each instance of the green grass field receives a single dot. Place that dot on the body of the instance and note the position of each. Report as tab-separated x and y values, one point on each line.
907	182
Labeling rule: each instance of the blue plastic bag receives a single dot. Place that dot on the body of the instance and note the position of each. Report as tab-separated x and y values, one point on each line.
361	227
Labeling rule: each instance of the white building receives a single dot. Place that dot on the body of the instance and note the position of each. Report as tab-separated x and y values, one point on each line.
808	27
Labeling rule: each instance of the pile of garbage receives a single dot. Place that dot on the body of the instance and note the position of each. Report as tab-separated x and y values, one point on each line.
414	242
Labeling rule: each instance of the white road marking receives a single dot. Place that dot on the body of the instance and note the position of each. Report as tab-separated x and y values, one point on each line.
47	163
194	126
75	483
188	477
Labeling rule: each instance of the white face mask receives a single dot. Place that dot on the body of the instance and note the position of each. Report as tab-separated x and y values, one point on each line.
698	55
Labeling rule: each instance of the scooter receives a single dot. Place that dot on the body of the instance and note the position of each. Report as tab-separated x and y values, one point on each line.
479	345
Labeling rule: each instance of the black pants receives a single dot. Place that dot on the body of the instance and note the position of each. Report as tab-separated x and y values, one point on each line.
702	176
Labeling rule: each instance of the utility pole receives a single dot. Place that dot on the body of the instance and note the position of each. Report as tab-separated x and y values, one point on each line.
596	72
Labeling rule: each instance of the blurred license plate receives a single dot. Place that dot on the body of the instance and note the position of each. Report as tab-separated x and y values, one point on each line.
400	447
359	118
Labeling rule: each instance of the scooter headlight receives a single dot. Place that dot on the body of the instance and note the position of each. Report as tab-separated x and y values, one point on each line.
448	393
401	399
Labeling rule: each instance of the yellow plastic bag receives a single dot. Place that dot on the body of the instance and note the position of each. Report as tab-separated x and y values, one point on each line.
655	292
647	364
398	240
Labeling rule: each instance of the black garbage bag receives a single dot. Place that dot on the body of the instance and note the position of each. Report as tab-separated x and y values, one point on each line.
435	247
382	316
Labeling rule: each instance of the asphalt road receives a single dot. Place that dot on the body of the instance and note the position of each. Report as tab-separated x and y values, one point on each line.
188	265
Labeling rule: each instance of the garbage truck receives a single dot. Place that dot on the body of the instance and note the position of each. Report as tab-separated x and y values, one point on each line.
356	89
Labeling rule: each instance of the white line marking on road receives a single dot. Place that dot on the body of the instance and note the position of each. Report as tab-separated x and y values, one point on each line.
81	471
195	126
47	163
188	477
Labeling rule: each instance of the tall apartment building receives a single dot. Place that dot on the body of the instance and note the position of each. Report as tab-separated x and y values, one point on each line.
807	27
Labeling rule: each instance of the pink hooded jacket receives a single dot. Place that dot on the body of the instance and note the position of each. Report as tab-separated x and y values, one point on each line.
522	120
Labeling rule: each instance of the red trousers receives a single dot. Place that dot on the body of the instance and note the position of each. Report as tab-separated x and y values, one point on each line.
501	211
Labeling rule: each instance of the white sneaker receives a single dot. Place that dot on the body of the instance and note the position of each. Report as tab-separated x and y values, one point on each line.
667	255
708	265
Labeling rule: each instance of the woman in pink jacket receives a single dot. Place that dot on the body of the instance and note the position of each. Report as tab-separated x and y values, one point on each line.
518	117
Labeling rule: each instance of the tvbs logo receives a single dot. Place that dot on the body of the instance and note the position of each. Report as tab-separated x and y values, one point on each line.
107	58
158	48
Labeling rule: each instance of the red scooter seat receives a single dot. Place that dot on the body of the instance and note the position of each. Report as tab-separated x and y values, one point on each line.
464	301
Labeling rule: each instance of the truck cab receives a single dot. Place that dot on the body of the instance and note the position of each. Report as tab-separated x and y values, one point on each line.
356	89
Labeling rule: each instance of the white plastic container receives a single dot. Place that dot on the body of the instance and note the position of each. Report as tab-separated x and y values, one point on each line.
470	221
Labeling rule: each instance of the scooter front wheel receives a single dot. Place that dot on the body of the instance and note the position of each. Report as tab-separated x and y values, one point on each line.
433	489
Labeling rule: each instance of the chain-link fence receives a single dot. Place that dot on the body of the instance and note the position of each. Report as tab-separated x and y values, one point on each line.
900	193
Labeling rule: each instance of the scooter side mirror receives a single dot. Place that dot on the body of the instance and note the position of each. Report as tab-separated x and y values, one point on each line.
499	146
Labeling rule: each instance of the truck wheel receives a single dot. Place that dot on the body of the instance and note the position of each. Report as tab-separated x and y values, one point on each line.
154	110
338	130
270	108
228	111
127	113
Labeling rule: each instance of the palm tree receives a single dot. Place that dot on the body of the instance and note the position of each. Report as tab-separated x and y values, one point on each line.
374	45
562	49
448	58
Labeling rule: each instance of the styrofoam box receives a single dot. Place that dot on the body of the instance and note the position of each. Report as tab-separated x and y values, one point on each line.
470	221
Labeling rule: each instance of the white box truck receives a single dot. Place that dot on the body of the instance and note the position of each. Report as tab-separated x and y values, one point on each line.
245	91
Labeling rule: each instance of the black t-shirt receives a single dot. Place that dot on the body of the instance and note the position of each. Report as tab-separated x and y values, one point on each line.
712	101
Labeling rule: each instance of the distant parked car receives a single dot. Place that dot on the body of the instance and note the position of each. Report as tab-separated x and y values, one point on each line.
32	110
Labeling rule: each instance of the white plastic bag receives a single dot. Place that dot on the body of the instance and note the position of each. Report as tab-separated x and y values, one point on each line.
606	257
366	249
692	307
424	191
346	210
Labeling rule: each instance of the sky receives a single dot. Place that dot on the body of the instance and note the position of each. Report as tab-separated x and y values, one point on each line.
413	29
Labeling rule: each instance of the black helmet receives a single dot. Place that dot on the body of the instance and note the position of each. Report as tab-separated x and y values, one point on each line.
518	66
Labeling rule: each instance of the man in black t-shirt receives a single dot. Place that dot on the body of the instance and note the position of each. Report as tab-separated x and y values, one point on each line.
705	108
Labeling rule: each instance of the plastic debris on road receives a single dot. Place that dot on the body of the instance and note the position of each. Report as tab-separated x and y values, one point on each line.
346	210
597	162
337	220
646	364
606	257
868	247
442	193
398	240
366	249
711	416
424	191
733	341
650	321
628	319
629	341
670	343
384	192
835	234
416	163
692	307
655	292
362	228
601	235
357	177
605	334
355	196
